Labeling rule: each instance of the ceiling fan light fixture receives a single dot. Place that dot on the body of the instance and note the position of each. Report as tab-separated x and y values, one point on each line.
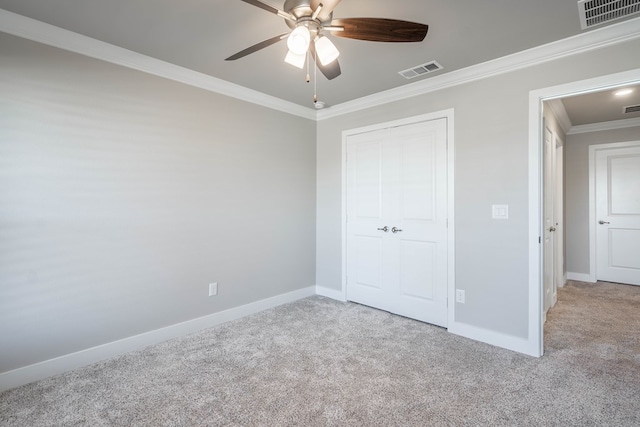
308	19
295	59
299	39
327	51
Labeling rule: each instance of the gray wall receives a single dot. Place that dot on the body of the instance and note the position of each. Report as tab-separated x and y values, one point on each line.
577	191
491	167
122	195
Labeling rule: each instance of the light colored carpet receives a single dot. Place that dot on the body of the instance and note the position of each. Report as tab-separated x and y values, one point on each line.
320	362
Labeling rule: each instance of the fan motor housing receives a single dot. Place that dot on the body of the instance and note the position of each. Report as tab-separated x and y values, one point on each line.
302	11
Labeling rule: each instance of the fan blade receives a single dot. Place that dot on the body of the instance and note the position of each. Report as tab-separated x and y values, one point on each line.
256	47
330	71
380	30
327	8
271	9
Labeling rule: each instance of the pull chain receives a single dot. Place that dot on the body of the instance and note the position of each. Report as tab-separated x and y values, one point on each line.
315	79
308	78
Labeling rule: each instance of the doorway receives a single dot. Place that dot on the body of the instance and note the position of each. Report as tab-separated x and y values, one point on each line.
537	190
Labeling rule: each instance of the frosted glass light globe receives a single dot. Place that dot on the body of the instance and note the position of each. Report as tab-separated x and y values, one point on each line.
298	41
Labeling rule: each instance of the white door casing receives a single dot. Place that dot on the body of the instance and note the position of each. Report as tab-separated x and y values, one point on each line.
617	213
396	228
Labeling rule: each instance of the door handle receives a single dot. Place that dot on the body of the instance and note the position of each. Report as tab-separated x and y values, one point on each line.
395	230
385	229
601	222
552	229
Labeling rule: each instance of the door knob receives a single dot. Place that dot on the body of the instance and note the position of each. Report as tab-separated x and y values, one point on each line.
385	229
395	230
601	222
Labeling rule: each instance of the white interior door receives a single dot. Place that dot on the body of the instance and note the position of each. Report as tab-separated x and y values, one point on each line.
558	215
549	222
397	220
618	214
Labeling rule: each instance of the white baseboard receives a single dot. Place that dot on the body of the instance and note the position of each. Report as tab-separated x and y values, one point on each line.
330	293
580	277
65	363
498	339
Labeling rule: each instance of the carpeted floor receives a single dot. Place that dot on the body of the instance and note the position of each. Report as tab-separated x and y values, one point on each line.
319	362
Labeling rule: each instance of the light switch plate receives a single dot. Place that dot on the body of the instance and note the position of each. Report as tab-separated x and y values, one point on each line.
213	289
500	211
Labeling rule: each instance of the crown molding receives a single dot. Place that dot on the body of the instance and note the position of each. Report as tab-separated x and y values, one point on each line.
560	113
603	126
595	39
51	35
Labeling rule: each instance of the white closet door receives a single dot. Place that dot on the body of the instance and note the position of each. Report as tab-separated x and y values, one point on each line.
397	220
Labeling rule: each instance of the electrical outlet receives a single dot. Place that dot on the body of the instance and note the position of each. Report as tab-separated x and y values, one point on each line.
213	289
460	296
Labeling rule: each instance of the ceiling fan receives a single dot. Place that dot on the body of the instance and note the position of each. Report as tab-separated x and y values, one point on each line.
310	19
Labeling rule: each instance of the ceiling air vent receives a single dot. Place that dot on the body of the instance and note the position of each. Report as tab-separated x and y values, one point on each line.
596	12
631	109
421	70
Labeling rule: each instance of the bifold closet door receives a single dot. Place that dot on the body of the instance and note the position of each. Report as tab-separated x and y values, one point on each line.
397	220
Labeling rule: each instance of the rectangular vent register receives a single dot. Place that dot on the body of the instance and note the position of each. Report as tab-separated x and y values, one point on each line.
596	12
420	70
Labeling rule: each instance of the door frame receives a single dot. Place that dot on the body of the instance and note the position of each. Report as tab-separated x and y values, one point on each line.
444	114
535	346
593	248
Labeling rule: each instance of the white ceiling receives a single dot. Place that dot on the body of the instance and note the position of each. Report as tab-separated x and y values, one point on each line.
200	34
